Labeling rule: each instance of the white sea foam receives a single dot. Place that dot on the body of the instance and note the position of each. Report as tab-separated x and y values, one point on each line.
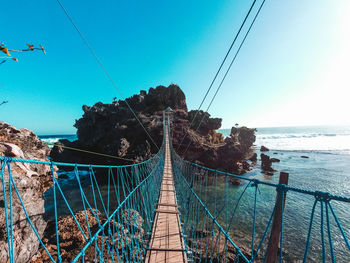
335	139
305	142
51	140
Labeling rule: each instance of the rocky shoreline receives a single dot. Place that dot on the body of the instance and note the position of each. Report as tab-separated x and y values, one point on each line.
32	180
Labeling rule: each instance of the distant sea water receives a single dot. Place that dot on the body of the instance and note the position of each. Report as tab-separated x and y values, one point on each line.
56	138
328	149
326	169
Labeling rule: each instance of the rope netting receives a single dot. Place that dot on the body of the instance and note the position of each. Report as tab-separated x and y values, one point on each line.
110	210
229	218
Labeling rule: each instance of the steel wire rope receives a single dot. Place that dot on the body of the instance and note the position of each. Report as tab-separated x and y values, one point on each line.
104	69
228	69
218	71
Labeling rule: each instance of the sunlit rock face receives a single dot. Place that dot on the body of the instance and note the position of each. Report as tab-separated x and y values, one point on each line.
31	181
113	129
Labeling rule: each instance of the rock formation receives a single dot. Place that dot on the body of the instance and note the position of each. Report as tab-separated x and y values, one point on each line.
31	181
266	164
264	149
113	129
72	240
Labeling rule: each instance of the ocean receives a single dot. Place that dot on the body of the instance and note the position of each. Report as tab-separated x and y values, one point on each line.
55	138
327	168
328	149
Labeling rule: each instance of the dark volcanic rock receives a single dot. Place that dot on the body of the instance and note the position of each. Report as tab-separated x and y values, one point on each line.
31	181
254	158
275	160
304	156
264	149
112	129
266	163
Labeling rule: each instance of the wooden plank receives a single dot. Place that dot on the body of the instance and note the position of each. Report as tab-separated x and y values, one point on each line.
166	243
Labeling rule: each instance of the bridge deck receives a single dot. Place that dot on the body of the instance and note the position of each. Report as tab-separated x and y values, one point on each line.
166	243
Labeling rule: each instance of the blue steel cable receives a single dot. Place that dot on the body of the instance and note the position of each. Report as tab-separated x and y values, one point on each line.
264	235
210	215
11	211
10	251
329	232
309	231
28	218
339	226
254	218
322	235
59	259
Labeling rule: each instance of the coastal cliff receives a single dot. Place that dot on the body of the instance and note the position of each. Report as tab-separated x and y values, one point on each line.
112	129
31	181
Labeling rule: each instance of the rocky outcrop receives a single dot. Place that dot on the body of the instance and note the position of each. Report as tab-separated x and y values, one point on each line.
72	240
266	164
113	129
31	181
275	160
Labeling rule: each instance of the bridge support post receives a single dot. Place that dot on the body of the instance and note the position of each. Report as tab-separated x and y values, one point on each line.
273	248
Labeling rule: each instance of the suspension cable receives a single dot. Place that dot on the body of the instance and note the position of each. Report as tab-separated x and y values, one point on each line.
104	69
89	152
217	73
228	69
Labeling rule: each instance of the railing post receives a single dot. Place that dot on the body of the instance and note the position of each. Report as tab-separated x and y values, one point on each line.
272	251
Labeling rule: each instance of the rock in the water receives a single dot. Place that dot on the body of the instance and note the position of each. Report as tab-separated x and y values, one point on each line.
254	158
31	181
275	160
264	149
112	129
304	156
266	163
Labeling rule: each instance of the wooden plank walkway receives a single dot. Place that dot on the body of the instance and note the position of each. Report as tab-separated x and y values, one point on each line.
166	243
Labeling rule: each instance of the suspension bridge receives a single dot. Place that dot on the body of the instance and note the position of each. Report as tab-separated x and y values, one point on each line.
169	210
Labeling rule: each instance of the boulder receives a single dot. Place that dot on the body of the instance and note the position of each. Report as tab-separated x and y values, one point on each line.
266	163
31	181
275	160
264	149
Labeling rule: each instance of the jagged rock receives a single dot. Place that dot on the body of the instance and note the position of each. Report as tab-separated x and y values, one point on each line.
31	181
264	149
266	163
207	123
254	158
112	129
304	156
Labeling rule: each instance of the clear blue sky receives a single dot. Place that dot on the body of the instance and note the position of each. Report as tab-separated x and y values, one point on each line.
293	69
